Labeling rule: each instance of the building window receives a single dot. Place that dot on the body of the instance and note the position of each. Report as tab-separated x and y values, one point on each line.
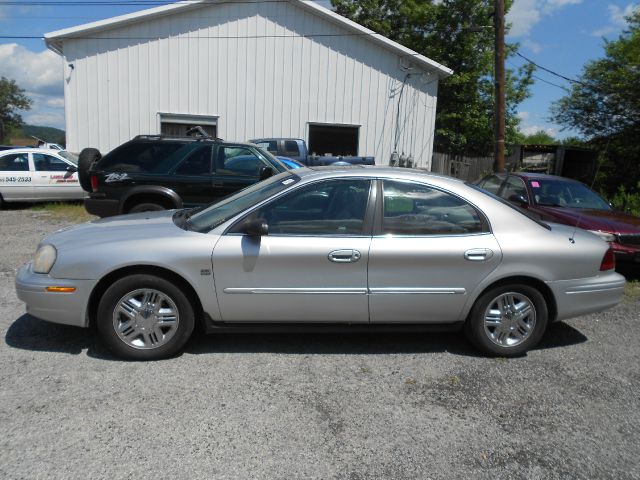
337	140
178	124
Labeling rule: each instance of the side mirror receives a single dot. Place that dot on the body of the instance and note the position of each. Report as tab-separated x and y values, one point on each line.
519	200
265	172
256	228
72	169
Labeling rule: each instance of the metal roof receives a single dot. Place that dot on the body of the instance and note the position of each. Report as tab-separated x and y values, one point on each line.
55	40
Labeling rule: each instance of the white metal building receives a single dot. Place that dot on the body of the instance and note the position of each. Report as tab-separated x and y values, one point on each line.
248	69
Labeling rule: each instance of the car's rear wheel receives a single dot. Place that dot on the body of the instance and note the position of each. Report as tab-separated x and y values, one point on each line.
145	317
146	207
508	320
88	157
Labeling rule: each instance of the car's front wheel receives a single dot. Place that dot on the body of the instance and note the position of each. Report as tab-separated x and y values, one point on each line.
508	320
145	317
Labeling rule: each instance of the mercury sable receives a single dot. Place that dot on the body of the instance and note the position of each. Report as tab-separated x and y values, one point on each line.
353	247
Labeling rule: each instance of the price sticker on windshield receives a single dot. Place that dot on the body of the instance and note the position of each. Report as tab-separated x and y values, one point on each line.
535	185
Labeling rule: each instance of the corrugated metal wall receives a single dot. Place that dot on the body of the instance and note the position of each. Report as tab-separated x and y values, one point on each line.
194	63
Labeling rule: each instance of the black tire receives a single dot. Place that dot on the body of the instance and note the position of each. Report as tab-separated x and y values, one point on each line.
493	339
87	158
141	327
146	207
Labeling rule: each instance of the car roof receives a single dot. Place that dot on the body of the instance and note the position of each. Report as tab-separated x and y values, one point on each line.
30	150
538	176
375	171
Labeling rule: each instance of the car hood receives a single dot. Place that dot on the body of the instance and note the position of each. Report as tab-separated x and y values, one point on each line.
608	221
129	228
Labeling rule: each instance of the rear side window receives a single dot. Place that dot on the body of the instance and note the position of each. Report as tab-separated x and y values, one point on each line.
413	209
291	149
270	146
143	157
17	162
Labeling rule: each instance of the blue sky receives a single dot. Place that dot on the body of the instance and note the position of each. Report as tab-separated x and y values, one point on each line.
559	34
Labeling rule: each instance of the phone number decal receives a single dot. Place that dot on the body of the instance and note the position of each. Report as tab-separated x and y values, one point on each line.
15	179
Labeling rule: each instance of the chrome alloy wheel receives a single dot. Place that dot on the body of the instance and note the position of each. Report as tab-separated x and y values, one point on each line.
509	319
145	319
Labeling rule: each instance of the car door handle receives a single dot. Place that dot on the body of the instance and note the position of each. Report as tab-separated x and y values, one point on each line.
344	256
478	254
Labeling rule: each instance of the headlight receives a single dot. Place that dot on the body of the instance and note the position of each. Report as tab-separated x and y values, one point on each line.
607	237
44	259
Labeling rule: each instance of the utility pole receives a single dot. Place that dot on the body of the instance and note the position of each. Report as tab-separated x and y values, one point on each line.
499	82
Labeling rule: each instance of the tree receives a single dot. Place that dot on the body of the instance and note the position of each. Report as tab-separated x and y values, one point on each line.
458	34
12	98
541	137
604	105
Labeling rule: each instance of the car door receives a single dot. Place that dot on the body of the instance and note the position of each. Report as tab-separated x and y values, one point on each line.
191	177
52	180
236	167
312	265
429	252
15	177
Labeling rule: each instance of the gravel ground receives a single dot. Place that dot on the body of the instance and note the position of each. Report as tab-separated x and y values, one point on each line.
313	406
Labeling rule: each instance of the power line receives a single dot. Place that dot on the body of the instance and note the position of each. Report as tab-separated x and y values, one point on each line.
572	80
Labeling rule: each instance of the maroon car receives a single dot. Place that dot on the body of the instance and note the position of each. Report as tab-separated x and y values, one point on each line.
562	200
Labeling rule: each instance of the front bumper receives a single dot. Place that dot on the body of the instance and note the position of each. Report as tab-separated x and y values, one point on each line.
65	308
587	295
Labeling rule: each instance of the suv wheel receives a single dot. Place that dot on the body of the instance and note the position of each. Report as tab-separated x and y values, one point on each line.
146	207
88	157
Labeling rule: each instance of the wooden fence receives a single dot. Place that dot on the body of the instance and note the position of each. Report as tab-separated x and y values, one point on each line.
465	168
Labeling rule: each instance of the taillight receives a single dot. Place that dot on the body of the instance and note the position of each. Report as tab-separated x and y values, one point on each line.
608	261
94	183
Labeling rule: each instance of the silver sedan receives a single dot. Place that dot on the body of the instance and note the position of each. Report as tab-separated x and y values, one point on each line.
349	247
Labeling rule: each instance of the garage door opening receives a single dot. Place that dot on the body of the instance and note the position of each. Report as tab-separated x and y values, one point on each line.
335	140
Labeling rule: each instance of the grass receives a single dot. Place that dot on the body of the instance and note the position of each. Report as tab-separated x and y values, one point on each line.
632	290
74	212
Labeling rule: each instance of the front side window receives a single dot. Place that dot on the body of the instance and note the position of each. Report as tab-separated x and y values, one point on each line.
238	161
334	207
291	149
414	209
47	163
16	162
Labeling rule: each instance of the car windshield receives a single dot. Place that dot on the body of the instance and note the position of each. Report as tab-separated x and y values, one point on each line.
69	156
218	213
559	193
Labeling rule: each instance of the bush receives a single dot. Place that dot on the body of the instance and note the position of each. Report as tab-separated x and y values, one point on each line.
627	201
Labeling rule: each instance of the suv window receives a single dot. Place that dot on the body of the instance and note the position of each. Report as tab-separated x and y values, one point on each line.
16	162
143	157
413	209
197	162
334	207
47	163
238	161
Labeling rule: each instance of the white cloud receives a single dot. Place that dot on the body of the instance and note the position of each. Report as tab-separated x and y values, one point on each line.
46	119
55	102
617	20
526	14
531	129
39	72
531	45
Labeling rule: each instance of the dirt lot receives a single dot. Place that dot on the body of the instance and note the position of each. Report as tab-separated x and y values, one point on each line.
313	406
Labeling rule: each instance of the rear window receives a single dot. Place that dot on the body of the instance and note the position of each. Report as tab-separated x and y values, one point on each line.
144	157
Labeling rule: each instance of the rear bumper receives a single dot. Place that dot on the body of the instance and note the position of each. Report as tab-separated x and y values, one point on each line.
102	207
587	295
64	308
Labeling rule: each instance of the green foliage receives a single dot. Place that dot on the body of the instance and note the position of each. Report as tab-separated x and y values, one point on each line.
458	34
48	134
627	200
12	98
605	108
539	138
